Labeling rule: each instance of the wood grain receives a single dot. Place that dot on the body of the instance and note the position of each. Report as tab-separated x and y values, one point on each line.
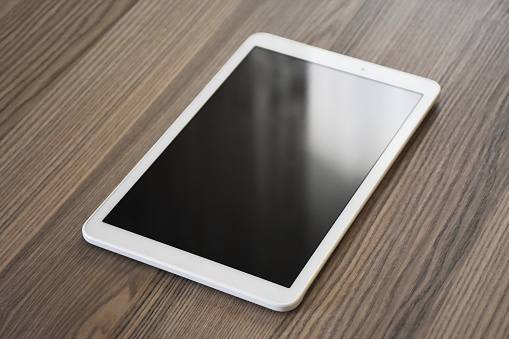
86	88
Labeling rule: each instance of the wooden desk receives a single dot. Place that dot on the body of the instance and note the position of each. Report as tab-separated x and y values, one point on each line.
86	87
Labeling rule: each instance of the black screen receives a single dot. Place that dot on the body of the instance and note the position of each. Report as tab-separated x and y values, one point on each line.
260	174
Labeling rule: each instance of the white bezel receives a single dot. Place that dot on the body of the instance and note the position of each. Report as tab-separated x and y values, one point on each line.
227	279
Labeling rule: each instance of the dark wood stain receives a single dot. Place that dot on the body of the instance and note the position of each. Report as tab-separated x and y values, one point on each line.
86	88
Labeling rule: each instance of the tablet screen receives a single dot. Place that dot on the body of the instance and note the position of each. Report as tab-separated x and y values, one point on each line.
260	174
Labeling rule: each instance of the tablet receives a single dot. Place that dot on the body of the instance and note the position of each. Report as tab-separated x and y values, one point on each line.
254	185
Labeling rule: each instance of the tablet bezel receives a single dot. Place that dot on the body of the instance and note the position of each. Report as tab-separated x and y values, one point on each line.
227	279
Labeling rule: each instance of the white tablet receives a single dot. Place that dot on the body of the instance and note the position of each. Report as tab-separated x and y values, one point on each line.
254	185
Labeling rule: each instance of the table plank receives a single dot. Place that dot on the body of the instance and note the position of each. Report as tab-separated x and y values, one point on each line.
86	88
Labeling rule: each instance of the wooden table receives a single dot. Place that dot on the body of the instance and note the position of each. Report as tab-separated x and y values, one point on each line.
86	88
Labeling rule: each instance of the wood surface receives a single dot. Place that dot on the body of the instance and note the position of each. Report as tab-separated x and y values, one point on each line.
87	87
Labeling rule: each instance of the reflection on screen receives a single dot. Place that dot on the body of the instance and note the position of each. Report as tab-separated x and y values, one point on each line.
261	173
